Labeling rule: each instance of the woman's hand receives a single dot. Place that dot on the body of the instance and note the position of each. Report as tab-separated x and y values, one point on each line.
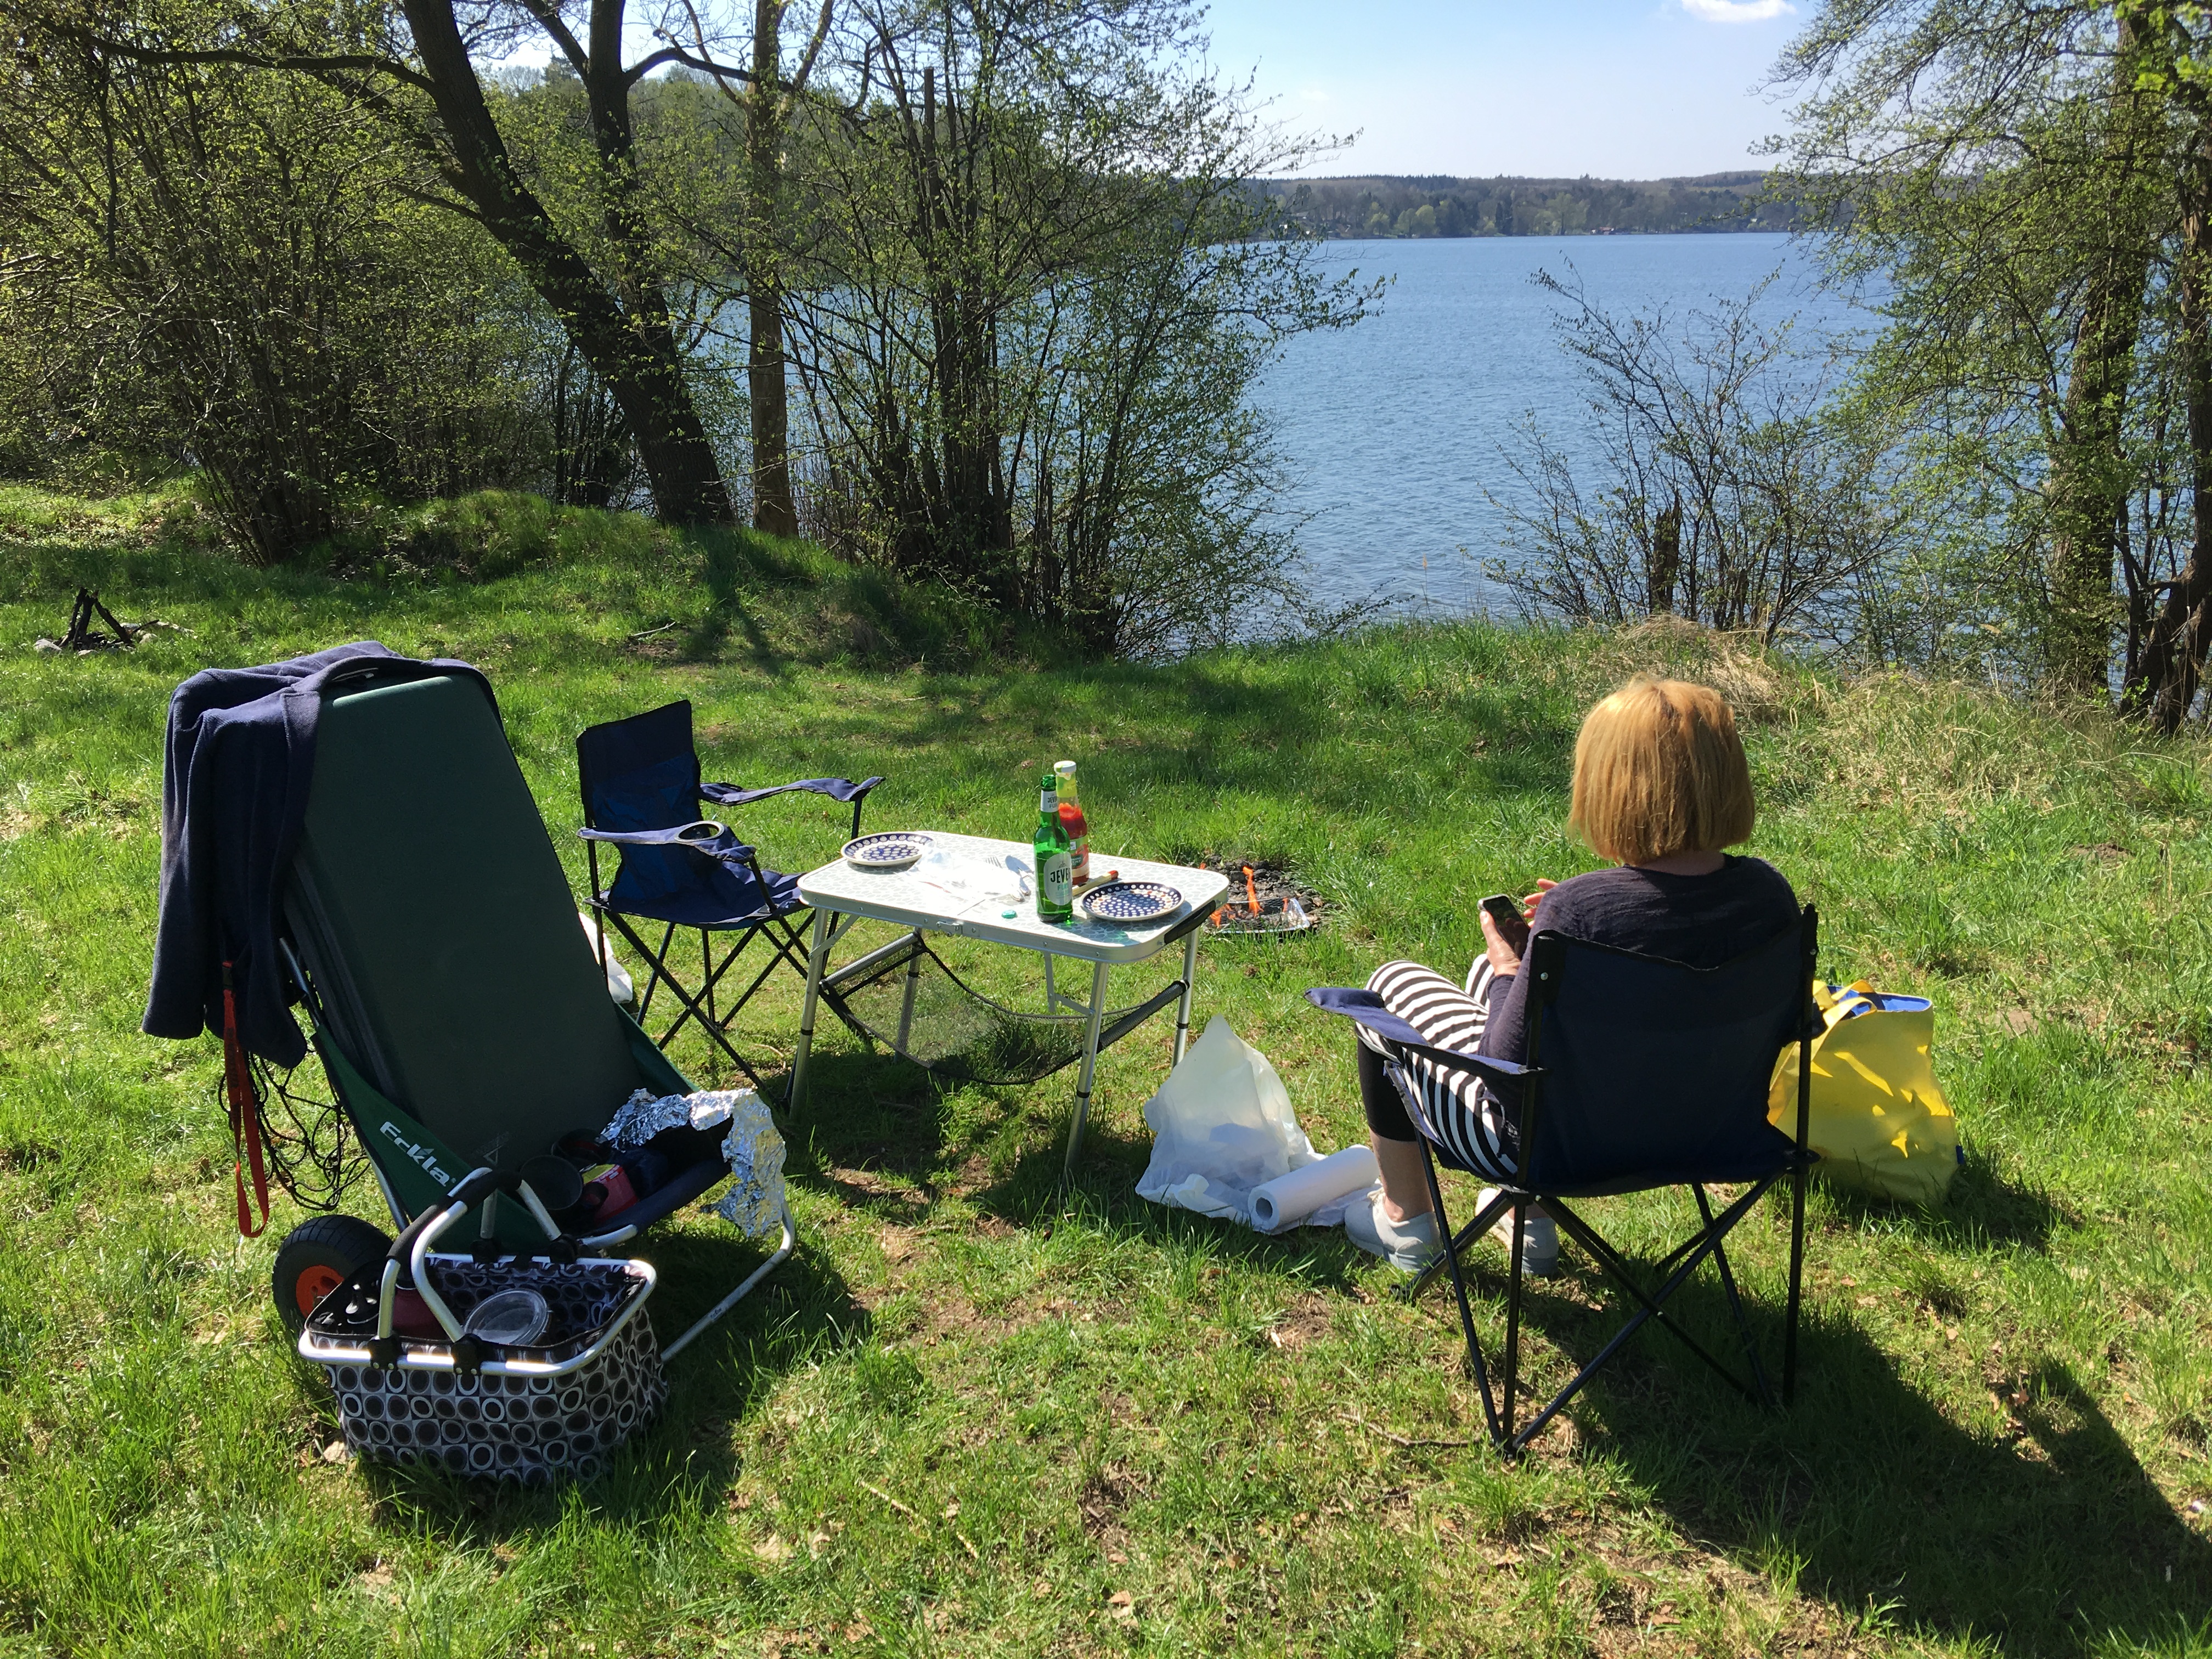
1505	960
1544	885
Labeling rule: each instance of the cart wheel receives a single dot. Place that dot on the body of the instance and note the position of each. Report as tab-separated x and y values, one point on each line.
315	1259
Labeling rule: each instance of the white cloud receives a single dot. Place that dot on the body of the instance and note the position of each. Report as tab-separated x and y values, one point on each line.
1316	95
1738	11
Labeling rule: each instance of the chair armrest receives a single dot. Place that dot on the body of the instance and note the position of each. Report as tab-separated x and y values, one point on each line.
716	843
1365	1007
840	789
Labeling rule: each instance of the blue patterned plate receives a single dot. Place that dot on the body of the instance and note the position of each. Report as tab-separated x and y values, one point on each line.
894	850
1129	903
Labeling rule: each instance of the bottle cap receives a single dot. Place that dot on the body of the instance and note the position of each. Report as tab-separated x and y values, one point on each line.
1065	769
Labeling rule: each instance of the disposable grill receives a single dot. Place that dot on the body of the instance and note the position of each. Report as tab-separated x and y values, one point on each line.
1281	911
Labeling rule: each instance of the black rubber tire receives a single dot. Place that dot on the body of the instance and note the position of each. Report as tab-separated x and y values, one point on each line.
315	1257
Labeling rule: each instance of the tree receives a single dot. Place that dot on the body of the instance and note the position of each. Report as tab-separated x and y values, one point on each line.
220	266
1726	493
1039	256
417	68
2022	175
2175	63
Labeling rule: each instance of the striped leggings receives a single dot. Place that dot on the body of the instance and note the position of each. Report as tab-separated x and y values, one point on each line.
1467	1118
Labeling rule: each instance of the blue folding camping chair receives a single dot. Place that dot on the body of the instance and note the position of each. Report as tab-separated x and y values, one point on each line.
1642	1073
642	789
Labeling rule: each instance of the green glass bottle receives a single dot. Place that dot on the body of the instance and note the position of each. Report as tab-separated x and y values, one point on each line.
1055	857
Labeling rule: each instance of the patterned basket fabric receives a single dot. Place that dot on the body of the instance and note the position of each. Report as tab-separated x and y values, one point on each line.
513	1426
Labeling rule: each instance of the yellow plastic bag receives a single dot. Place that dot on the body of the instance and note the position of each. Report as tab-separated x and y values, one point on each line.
1879	1120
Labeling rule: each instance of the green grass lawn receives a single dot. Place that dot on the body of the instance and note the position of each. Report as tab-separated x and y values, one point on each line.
977	1415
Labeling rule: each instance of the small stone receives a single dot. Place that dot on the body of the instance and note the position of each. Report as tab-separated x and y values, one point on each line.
335	1452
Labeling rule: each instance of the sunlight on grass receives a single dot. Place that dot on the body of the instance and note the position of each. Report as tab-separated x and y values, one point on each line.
974	1416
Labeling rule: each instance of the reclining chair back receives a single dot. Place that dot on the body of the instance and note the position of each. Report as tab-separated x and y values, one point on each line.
433	914
1653	1073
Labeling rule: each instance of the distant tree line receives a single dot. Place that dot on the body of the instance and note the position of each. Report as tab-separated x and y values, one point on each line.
974	289
1445	206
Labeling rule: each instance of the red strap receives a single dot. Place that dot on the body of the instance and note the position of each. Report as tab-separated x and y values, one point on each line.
244	1116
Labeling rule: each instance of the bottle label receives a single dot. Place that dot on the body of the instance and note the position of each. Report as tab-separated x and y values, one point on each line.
1056	881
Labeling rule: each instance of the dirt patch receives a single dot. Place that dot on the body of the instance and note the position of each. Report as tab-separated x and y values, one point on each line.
2104	851
1304	1321
1101	1501
868	1190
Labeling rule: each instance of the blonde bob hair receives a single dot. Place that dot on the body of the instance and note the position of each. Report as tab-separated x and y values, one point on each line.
1659	770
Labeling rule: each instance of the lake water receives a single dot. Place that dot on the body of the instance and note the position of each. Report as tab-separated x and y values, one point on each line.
1392	430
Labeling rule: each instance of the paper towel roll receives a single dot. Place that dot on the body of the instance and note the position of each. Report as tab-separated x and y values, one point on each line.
1289	1199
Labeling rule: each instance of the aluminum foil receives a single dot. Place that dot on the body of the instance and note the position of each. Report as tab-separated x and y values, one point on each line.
754	1203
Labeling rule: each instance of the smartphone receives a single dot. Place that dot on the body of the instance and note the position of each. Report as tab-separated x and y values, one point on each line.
1512	926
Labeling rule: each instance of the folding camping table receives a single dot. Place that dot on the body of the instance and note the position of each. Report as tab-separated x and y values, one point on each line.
918	898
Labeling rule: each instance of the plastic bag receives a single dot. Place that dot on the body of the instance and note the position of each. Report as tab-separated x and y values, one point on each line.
1878	1120
1222	1124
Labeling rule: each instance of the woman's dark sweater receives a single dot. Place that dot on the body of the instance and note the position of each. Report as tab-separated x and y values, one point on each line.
1701	920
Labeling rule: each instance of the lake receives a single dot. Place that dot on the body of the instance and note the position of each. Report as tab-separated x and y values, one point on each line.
1392	430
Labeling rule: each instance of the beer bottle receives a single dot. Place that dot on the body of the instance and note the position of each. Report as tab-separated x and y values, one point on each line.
1055	863
1072	819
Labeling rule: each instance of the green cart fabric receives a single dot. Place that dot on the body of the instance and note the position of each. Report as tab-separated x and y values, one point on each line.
437	921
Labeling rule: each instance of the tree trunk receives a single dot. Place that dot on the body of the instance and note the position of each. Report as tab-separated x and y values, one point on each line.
767	387
2088	464
2174	654
634	350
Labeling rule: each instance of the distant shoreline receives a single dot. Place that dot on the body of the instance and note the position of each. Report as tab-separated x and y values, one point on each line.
1439	206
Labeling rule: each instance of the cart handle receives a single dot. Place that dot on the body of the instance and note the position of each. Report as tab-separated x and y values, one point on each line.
414	1243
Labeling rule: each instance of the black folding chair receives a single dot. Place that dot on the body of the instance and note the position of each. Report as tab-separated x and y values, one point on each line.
642	790
1642	1073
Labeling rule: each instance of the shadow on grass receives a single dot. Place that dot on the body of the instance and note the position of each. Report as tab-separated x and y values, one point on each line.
2048	1536
1982	1211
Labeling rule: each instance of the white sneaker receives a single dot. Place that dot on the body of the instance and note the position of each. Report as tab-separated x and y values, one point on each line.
1406	1245
1540	1238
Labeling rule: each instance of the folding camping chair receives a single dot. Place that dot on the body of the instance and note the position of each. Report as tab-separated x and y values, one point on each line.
457	1010
1642	1073
640	779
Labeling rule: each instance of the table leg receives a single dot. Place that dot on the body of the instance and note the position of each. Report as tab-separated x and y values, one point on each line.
1090	1068
1183	1008
906	1003
817	960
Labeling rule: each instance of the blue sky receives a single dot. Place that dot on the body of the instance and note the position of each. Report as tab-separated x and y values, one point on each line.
1556	88
1620	89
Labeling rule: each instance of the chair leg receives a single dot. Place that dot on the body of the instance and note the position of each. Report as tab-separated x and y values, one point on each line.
790	1239
1459	1291
1797	1283
1735	1301
1513	1319
1411	1291
658	958
1650	1304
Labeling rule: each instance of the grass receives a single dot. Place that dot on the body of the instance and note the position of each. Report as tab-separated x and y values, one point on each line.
975	1416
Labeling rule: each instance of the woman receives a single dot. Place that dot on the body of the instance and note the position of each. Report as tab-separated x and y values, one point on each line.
1660	787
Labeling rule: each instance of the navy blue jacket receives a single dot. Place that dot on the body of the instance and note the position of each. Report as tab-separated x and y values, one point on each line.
240	758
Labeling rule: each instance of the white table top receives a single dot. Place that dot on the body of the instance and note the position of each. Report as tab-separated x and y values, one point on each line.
966	886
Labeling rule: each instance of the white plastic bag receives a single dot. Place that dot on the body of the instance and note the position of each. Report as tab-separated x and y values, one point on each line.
618	982
1223	1125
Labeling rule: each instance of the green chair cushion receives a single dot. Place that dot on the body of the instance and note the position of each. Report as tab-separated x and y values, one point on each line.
440	927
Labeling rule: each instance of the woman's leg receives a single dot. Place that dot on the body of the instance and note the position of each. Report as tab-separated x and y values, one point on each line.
1462	1113
1396	1142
